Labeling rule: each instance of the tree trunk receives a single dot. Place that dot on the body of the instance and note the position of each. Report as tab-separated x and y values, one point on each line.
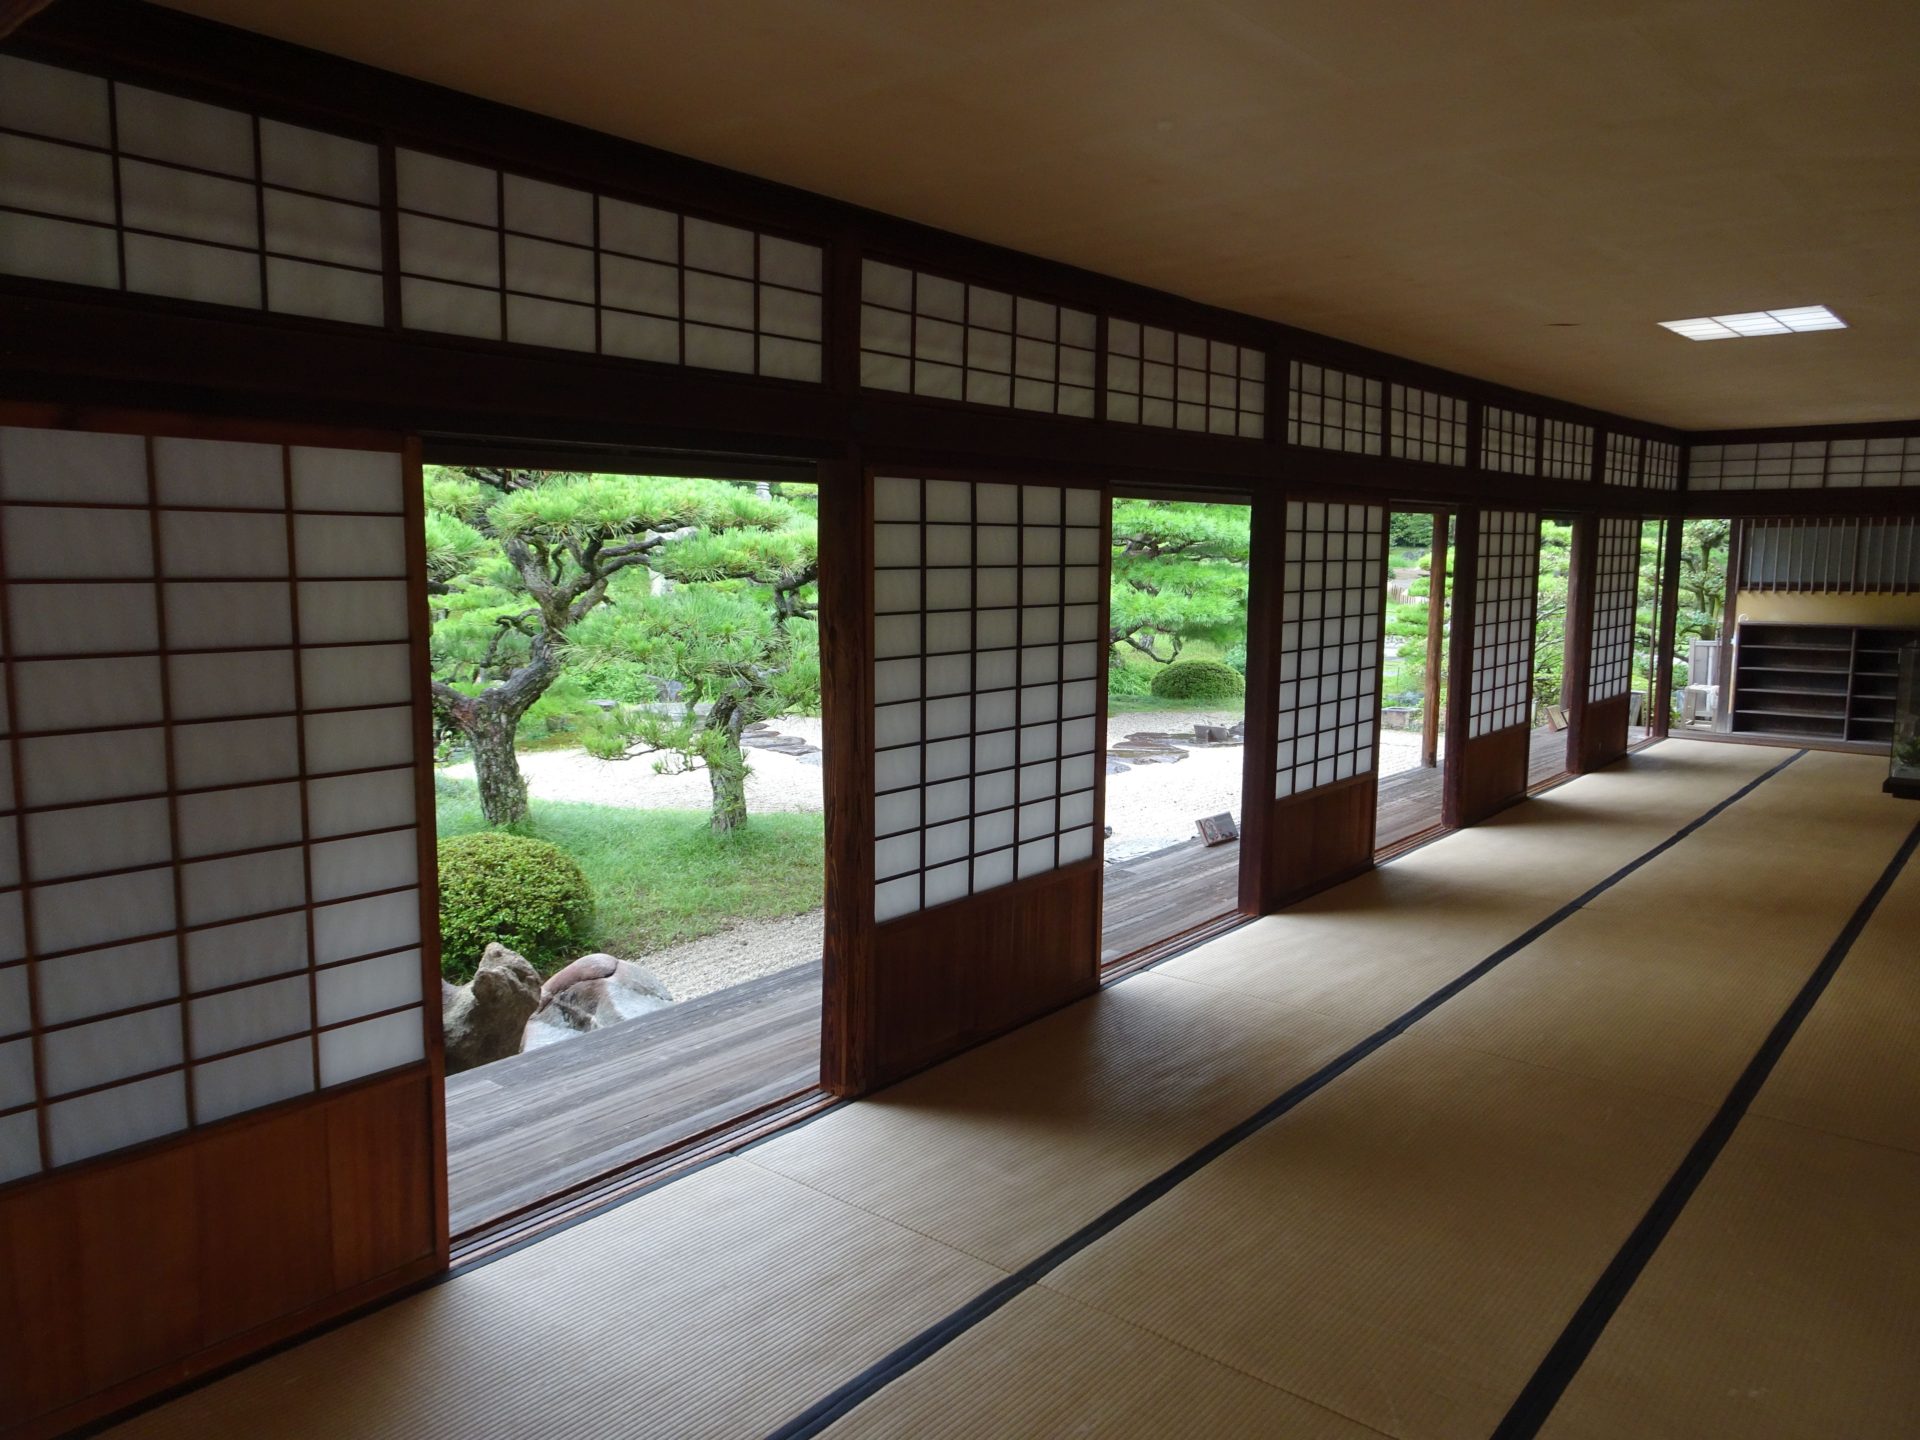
727	770
503	789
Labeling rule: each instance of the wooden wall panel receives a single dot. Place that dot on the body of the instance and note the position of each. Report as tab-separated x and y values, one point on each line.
123	1277
1319	839
1601	737
1488	774
953	976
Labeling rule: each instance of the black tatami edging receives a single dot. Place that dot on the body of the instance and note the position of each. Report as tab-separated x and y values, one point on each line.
1537	1400
936	1337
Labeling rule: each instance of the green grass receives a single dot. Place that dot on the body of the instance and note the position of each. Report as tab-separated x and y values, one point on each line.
1153	704
661	877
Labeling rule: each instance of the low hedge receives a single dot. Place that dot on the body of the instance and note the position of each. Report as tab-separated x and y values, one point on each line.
528	894
1199	680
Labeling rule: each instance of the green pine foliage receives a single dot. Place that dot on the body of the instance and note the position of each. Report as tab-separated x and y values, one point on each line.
1179	576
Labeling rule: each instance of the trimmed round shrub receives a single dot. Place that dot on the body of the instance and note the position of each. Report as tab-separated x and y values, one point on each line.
1199	680
526	893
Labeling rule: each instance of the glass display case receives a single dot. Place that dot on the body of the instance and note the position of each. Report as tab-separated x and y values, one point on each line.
1903	776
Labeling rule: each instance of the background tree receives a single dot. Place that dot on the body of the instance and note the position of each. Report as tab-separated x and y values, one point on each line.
516	560
1179	574
1550	612
732	636
1703	577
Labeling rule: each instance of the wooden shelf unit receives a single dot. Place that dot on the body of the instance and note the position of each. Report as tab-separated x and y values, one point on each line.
1817	682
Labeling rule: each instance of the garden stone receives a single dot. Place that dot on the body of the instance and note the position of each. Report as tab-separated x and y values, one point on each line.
602	991
484	1018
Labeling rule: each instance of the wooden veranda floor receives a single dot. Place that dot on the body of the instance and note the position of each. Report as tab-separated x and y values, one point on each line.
523	1129
1159	895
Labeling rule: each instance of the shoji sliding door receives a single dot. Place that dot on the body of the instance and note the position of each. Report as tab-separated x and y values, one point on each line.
1489	718
217	994
1325	619
988	614
1601	711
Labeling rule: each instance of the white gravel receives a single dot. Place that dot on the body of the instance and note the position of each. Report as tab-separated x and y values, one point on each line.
746	952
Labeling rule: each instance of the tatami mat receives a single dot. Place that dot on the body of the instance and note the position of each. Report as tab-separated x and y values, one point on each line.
1008	1149
716	1306
1648	987
1854	1067
1045	1366
1402	1247
1784	1304
1372	948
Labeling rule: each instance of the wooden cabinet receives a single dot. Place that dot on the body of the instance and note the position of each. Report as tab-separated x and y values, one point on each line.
1817	682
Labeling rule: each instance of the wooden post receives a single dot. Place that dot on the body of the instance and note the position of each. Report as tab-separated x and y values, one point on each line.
1266	572
1436	643
1736	561
1460	666
1578	652
1667	634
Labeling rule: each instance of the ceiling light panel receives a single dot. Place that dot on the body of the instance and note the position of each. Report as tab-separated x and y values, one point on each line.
1792	321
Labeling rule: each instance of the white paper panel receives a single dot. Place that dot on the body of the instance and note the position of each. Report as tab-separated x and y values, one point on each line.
233	752
347	803
306	159
367	987
317	229
48	101
248	950
349	546
51	542
84	914
16	1074
208	614
370	1047
251	1080
76	986
211	544
353	928
359	740
346	480
15	1017
246	682
365	863
185	270
237	1018
113	1119
64	843
114	618
221	821
102	1051
70	769
40	175
72	465
186	132
46	249
351	611
215	890
19	1144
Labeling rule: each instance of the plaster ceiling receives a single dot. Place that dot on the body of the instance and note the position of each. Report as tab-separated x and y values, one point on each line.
1516	190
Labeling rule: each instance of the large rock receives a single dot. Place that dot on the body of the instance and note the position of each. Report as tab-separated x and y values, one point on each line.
485	1018
592	993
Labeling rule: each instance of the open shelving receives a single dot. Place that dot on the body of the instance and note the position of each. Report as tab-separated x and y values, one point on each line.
1817	682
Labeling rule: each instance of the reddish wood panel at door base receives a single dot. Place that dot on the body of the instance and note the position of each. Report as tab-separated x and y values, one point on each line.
1491	773
123	1278
953	976
1601	737
1319	839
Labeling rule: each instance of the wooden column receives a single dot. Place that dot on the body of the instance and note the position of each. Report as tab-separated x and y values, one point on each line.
846	694
1667	634
1265	569
1588	743
1436	643
1730	619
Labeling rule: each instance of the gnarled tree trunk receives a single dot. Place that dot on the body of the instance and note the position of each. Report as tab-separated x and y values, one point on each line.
727	770
487	722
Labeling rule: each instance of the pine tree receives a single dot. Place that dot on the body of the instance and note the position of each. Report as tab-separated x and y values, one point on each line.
1179	574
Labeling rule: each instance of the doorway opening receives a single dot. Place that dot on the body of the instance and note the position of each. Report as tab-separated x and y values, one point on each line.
1649	618
1413	685
629	812
1176	719
1547	750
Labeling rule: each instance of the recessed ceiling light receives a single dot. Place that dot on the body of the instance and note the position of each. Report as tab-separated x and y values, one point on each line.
1793	321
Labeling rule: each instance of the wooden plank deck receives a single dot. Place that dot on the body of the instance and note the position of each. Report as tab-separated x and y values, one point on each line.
1158	895
1410	800
523	1128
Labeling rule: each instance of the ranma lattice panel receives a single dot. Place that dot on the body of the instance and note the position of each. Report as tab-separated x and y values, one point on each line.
1185	382
1333	592
1663	466
1505	581
1566	451
1509	441
988	609
927	335
1427	426
1331	410
1806	464
498	256
209	834
1624	453
1616	583
114	185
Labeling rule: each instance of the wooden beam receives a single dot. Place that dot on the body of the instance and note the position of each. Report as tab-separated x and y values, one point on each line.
15	13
